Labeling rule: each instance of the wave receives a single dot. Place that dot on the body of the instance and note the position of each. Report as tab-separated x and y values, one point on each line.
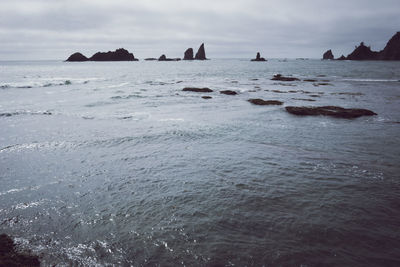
24	112
46	82
371	80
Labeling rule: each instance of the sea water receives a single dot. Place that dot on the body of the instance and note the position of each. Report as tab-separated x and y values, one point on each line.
111	163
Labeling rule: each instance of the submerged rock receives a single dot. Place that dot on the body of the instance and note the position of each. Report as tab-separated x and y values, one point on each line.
188	54
77	57
118	55
201	53
279	77
334	111
150	59
328	55
259	58
206	97
198	90
261	102
228	92
164	58
10	257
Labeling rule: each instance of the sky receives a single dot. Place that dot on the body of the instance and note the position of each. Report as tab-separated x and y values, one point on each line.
54	29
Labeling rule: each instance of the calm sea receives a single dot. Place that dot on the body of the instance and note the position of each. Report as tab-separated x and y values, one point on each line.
112	164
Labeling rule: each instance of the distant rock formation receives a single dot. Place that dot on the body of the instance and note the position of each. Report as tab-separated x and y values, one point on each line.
328	55
363	52
201	53
118	55
333	111
164	58
188	54
259	58
77	57
392	49
150	59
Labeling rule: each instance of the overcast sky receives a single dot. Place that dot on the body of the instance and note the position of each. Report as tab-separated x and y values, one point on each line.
54	29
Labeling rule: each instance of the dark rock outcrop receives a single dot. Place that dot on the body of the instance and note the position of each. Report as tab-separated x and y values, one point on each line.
150	59
77	57
228	92
198	90
279	77
201	53
10	257
259	58
261	102
188	54
392	49
363	52
118	55
164	58
328	55
338	112
206	97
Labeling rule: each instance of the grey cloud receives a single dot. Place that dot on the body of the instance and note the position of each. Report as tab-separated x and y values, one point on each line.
54	29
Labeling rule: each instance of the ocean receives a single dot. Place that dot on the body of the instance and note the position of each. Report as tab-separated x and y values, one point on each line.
112	164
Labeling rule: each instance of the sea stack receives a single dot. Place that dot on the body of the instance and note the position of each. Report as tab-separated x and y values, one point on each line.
164	58
363	52
188	54
328	55
118	55
259	58
392	49
201	53
77	57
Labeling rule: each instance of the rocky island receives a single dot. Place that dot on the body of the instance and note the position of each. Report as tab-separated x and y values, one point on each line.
258	58
120	54
363	52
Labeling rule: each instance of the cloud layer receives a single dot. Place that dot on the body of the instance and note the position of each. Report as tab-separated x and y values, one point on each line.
48	29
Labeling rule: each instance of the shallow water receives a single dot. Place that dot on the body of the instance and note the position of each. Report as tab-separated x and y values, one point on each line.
112	164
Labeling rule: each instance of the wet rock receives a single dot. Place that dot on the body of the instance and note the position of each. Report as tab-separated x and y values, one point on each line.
279	77
228	92
304	99
201	53
10	257
188	54
77	57
206	97
258	58
328	55
261	102
334	111
118	55
198	90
